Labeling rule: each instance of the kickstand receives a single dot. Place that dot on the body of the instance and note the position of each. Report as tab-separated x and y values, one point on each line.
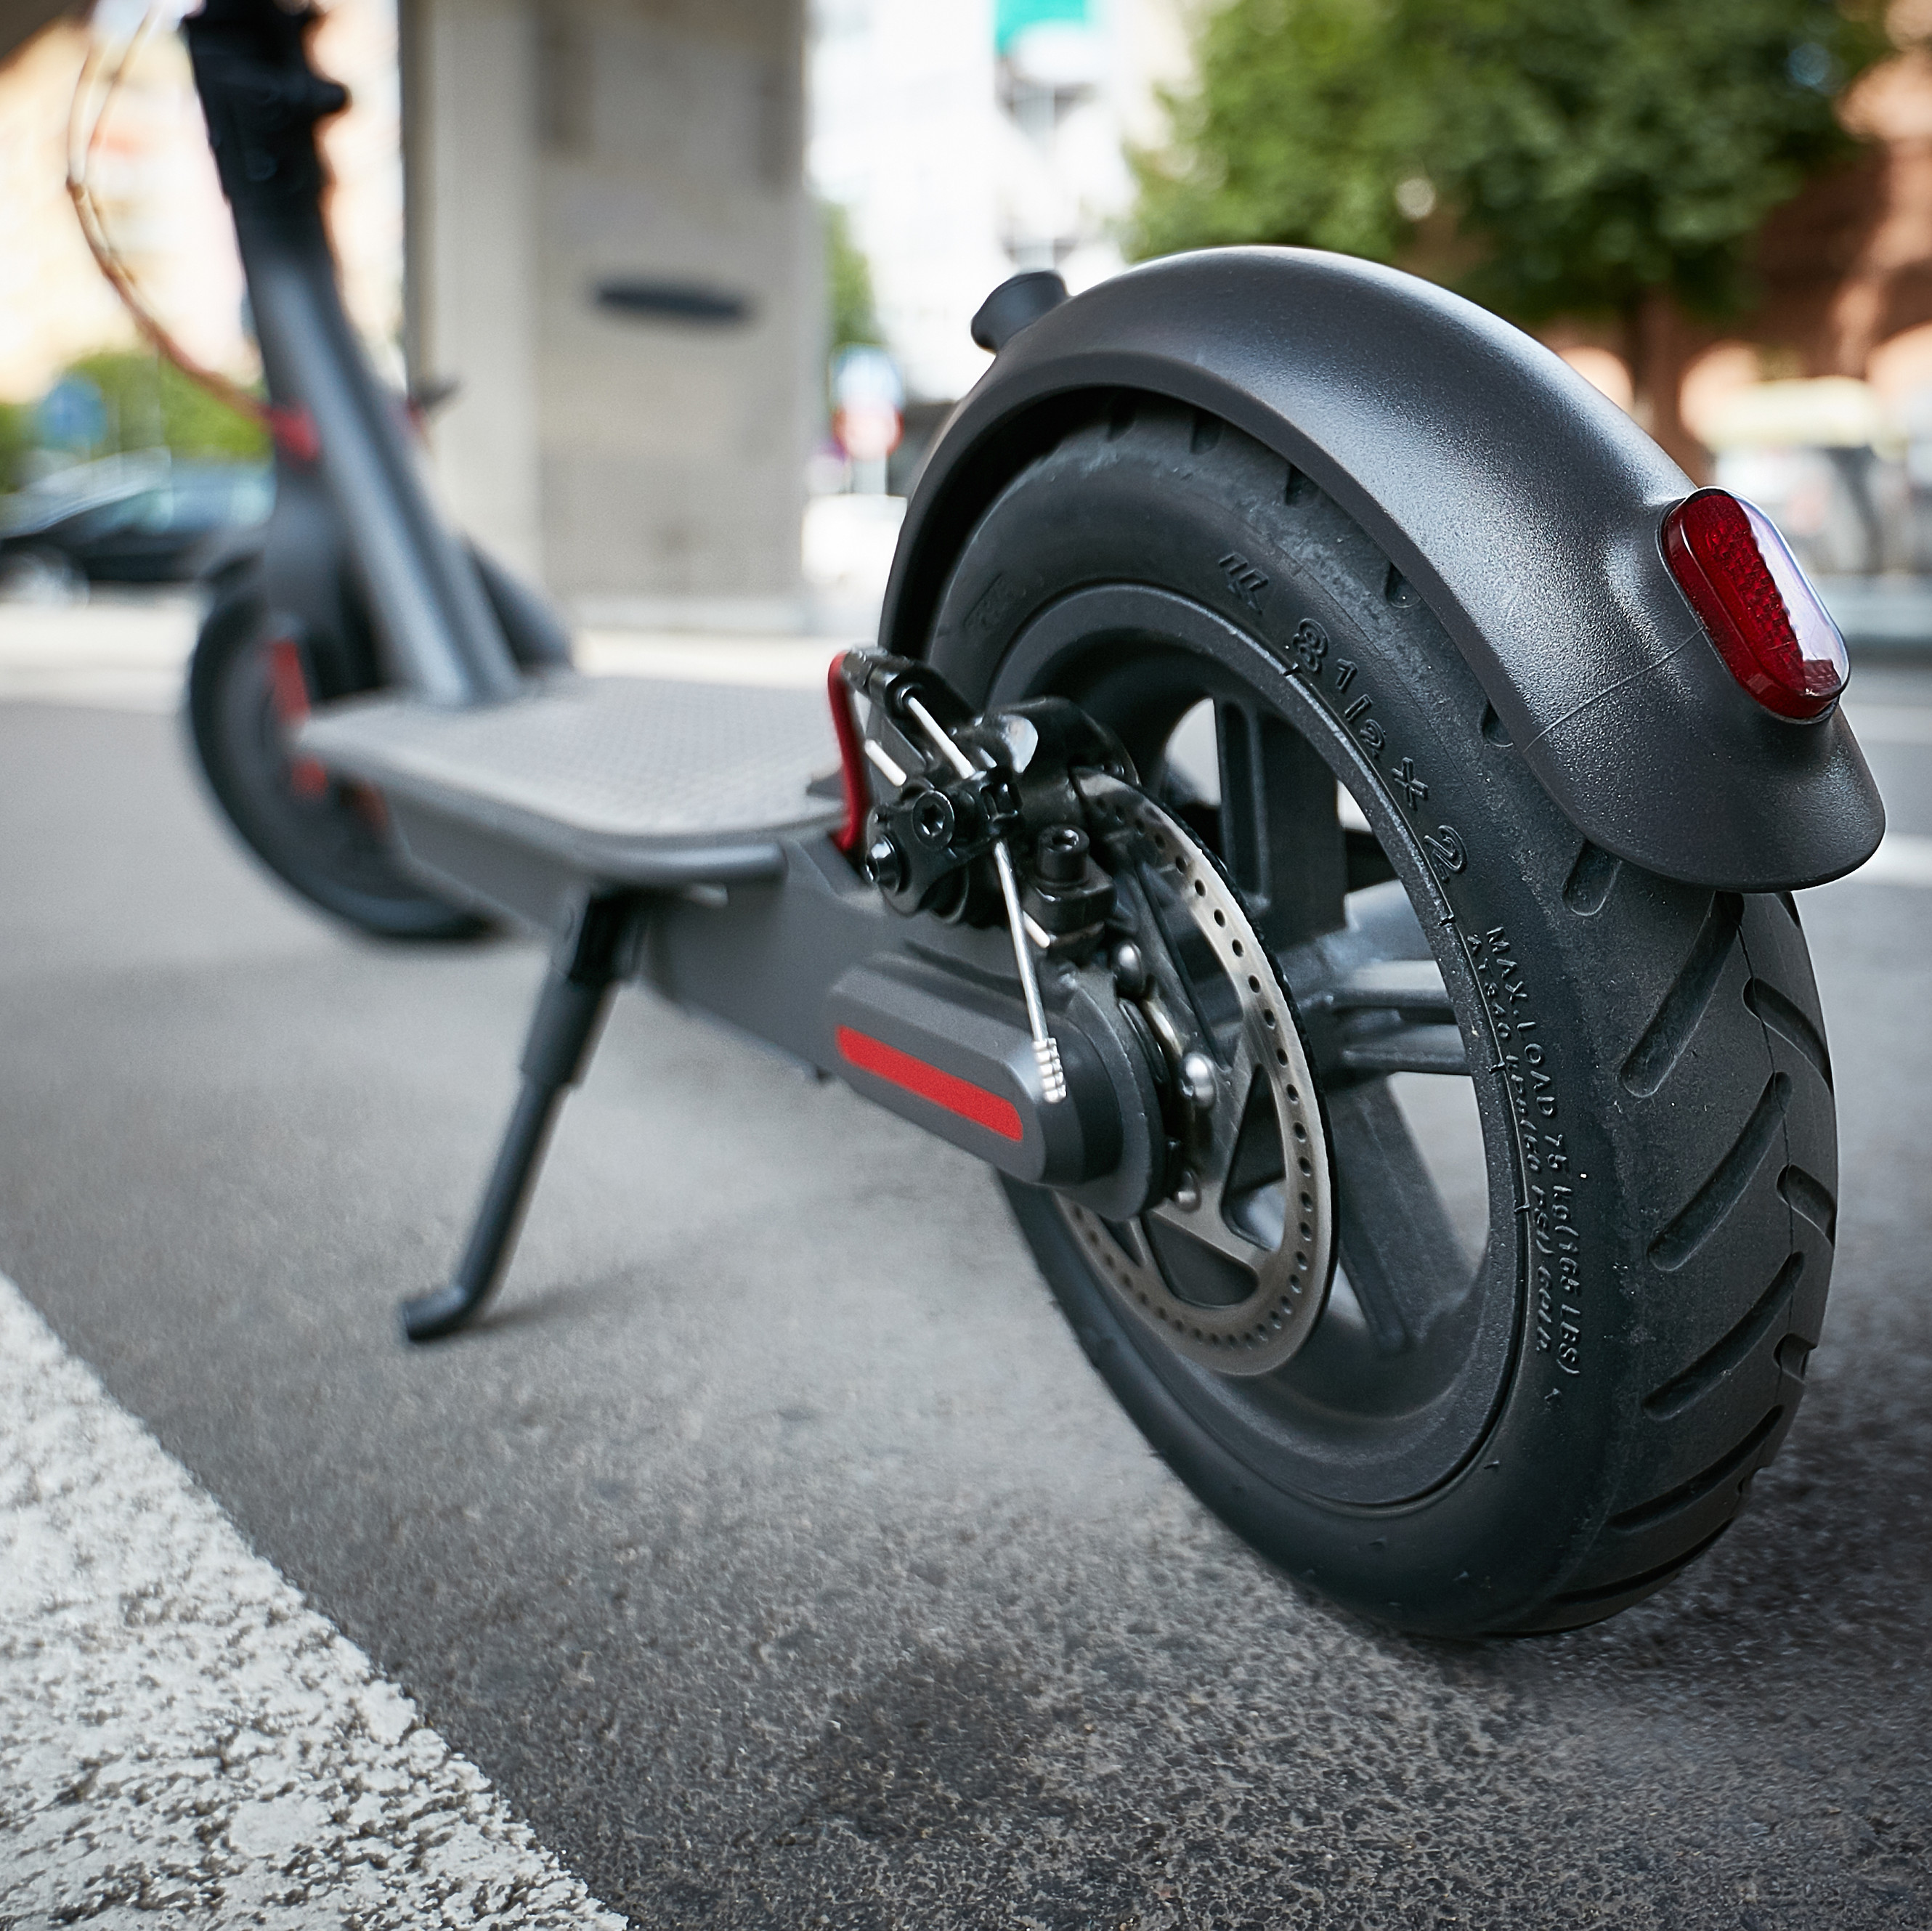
576	995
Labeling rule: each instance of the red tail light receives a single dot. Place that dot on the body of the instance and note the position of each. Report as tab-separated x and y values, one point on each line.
1762	615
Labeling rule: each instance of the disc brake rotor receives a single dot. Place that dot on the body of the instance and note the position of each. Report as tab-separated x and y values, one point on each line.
1232	1269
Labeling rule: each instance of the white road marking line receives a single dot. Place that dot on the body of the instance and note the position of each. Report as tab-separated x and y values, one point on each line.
179	1734
1903	858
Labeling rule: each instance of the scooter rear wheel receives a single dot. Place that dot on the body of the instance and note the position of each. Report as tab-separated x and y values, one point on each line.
327	842
1584	1134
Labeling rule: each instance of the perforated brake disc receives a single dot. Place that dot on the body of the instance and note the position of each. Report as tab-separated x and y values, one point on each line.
1232	1269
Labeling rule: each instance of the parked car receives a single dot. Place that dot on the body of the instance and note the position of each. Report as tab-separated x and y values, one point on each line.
145	517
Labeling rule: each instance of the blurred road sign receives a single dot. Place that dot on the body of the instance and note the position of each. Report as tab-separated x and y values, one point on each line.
72	414
866	397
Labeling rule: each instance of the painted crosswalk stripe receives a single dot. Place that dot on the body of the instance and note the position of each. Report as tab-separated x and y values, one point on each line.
180	1737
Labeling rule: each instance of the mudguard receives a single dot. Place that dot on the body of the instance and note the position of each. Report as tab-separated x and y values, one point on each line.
1524	506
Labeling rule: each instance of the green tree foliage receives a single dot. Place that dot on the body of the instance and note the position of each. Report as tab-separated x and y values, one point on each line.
16	441
147	403
150	405
1548	157
848	284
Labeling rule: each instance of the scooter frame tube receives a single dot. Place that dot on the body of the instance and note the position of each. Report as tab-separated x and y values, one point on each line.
437	633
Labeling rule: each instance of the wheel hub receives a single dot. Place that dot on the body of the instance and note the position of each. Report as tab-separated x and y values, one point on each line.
1231	1270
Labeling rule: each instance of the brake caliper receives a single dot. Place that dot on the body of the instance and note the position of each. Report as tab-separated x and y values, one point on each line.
1032	815
970	791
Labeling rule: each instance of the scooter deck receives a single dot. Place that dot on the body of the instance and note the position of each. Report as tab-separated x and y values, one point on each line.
632	782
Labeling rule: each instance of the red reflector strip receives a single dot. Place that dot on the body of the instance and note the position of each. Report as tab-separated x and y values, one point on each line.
294	432
945	1090
288	690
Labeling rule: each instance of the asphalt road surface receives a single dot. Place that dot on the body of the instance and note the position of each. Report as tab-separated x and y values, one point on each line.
774	1551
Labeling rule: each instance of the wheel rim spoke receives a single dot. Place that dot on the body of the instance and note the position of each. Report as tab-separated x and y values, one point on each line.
1281	837
1373	1001
1371	997
1330	903
1404	1049
1251	1240
1412	988
1397	1245
1386	1016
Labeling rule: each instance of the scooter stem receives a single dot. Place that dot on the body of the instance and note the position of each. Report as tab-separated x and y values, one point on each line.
262	100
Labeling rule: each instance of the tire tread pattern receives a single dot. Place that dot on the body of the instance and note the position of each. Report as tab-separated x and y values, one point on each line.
1704	1373
1666	1037
1713	1203
1689	1467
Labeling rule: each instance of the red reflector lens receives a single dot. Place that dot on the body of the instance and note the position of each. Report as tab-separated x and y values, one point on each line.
1761	614
943	1089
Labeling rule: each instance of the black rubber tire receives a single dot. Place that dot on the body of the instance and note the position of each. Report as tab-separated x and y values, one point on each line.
333	848
1628	1392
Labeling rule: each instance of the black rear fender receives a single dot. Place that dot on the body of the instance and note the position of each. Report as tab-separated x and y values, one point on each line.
1520	503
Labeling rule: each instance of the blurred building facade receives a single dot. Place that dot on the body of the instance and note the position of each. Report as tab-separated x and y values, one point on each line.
154	180
612	256
1818	403
612	267
973	139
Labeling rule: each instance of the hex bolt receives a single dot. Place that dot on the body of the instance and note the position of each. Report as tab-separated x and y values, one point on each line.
886	863
932	820
1060	856
1130	972
1198	1081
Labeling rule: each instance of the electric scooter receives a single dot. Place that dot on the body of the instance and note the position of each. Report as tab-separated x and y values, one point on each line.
1310	731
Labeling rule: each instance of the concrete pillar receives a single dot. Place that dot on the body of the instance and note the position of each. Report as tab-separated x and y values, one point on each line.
612	251
470	162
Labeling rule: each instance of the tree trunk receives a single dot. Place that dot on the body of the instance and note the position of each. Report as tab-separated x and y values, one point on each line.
1660	346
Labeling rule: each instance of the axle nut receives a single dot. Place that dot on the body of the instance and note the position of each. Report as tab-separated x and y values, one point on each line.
886	864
